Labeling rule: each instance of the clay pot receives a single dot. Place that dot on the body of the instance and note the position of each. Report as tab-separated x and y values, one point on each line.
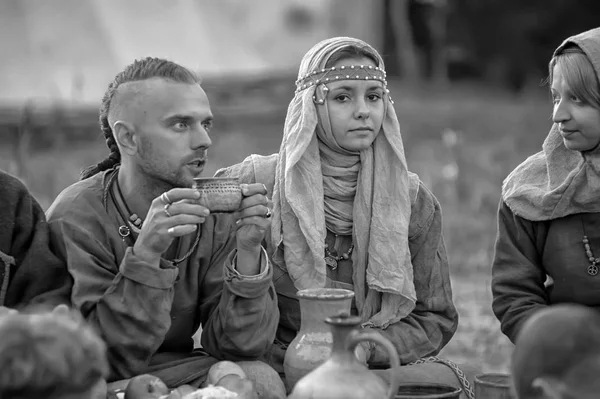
219	194
493	386
423	390
312	345
342	376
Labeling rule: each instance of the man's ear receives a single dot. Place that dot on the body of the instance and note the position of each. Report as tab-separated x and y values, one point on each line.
125	137
550	387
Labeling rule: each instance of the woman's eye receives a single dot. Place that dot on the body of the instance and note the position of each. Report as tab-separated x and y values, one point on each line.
575	99
374	97
342	98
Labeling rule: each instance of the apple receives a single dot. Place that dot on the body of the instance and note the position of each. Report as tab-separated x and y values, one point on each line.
146	386
221	369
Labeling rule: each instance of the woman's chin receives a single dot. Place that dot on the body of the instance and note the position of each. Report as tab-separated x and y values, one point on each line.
576	145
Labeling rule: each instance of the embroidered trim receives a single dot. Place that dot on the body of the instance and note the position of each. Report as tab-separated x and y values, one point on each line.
350	72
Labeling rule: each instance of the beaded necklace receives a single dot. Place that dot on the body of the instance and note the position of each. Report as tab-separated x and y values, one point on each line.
332	260
592	269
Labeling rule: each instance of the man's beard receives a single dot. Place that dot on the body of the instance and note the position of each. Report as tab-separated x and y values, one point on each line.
159	176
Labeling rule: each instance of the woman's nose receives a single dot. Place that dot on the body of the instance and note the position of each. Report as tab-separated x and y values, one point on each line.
561	112
362	111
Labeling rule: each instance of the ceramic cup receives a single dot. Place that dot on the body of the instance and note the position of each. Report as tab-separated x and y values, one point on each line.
493	386
219	194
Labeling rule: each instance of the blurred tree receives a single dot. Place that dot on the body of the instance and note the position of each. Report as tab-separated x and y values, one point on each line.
506	41
428	22
514	39
399	47
415	39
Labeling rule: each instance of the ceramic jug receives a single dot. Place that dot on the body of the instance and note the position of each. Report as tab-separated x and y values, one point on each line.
342	376
312	345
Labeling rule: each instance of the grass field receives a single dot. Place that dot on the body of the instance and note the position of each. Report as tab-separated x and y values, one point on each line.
462	141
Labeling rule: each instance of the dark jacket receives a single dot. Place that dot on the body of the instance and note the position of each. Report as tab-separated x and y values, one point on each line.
527	252
30	271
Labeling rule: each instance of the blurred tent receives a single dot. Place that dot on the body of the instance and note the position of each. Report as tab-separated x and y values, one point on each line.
63	53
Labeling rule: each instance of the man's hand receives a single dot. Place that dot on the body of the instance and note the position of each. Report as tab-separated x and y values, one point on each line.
173	214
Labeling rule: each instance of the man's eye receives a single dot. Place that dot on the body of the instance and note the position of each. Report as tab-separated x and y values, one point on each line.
181	126
207	125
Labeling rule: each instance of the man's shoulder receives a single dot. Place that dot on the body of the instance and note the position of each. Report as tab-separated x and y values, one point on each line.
79	199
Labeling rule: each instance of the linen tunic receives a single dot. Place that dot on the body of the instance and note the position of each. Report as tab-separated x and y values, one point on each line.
148	315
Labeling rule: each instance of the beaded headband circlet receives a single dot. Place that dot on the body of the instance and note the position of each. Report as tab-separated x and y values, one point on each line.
344	72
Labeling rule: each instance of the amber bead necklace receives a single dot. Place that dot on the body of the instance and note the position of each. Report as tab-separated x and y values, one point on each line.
594	262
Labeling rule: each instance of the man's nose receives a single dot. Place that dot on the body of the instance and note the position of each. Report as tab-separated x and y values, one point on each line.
200	138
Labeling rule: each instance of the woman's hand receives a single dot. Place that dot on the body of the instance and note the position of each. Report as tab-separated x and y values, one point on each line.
253	217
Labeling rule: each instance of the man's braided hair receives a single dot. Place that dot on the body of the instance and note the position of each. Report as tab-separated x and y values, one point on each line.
139	70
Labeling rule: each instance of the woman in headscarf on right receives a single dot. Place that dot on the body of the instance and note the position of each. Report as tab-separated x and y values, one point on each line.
549	216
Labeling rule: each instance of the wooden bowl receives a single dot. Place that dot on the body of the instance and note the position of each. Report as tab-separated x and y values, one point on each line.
423	390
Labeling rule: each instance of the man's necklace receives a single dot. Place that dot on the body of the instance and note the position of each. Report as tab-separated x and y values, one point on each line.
136	223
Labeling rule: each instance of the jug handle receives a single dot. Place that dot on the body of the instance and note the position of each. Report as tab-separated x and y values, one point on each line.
373	336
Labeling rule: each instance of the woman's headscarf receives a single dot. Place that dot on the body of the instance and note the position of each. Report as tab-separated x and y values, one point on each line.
318	184
558	182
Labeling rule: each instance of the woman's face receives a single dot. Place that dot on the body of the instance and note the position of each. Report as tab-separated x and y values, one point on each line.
356	108
579	123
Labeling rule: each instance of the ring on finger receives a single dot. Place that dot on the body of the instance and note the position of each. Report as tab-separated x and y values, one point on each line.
167	210
268	214
164	197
